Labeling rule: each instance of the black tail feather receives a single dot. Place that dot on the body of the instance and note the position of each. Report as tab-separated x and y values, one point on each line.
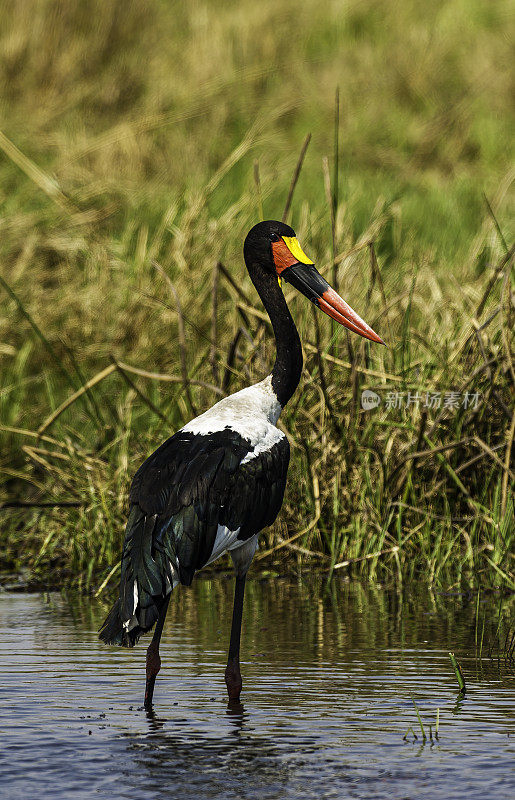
146	580
113	632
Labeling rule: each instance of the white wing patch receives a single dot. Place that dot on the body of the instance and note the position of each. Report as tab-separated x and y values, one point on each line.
242	552
131	623
225	540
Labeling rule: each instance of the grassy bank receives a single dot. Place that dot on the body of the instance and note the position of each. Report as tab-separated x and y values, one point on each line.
139	143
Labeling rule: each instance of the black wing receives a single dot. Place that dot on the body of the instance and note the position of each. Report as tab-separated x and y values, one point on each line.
179	496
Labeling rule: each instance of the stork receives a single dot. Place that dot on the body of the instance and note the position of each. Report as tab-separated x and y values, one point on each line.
217	482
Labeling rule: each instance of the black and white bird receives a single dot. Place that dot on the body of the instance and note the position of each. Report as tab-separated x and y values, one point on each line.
216	483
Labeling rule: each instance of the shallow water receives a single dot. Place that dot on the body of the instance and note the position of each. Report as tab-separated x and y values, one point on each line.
327	698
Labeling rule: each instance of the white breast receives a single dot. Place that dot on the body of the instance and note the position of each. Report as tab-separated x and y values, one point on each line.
252	412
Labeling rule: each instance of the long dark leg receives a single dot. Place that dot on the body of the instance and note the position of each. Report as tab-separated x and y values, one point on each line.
153	657
232	671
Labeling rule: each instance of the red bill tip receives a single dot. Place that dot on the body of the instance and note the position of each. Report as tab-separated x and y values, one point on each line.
336	307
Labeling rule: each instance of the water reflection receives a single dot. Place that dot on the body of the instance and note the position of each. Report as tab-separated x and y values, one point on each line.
209	765
329	677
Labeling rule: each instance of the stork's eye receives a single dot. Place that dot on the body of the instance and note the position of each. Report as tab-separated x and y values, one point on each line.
274	237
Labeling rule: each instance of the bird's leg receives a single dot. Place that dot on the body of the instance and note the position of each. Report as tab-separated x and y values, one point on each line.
232	671
153	657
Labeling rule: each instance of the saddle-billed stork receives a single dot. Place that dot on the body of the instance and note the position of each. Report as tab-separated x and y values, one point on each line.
216	483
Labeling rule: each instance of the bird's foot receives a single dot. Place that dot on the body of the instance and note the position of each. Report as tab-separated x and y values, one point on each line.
233	680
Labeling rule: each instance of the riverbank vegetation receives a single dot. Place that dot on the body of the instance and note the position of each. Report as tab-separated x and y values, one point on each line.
139	142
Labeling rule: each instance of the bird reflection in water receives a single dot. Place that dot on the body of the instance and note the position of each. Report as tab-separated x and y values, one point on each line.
172	753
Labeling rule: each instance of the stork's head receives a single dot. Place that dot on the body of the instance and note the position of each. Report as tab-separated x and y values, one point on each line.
274	247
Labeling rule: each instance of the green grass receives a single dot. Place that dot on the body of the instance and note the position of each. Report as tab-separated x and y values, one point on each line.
130	136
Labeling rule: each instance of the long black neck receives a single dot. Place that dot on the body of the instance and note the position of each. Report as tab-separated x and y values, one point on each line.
288	363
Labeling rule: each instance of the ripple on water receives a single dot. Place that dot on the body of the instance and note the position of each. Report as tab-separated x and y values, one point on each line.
328	693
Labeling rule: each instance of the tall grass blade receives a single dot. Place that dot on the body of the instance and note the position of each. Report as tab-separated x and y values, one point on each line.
259	196
457	671
295	177
419	720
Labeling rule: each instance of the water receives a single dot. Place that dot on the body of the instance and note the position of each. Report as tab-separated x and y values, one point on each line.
327	688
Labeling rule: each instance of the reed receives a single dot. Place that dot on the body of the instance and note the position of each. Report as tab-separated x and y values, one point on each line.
458	671
419	718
